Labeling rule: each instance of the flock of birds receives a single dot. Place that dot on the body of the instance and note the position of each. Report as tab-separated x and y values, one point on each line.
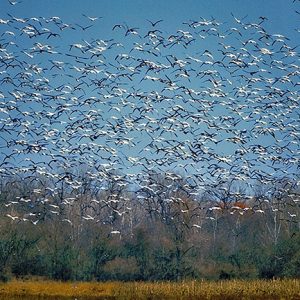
206	104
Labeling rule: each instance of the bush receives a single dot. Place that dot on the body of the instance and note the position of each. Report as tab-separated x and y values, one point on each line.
122	269
5	274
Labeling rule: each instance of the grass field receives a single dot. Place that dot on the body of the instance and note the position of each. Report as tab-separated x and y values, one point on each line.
236	289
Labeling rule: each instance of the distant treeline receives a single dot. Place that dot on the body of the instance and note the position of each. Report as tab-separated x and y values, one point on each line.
157	232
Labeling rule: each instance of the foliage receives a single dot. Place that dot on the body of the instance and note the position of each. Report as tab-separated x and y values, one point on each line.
160	240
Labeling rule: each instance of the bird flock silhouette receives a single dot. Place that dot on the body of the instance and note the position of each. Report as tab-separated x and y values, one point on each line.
209	103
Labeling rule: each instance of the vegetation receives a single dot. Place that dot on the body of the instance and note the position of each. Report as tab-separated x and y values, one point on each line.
235	289
108	233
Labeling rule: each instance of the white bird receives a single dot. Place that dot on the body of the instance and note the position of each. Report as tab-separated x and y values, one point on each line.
12	217
88	217
196	225
34	222
54	206
91	18
67	220
215	208
2	21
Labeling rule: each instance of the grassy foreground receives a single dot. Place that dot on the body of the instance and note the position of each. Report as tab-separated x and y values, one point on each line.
235	289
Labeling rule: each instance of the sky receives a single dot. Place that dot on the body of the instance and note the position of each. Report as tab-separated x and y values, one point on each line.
280	17
281	13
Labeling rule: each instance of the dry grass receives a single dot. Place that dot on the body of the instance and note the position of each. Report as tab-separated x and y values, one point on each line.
236	289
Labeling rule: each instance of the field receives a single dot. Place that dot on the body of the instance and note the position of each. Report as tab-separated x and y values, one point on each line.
235	289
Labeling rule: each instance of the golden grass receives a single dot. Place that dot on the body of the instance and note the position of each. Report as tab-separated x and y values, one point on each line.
235	289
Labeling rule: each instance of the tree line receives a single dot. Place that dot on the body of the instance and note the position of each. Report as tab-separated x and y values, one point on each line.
157	230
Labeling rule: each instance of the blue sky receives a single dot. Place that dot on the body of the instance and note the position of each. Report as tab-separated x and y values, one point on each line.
281	13
281	19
